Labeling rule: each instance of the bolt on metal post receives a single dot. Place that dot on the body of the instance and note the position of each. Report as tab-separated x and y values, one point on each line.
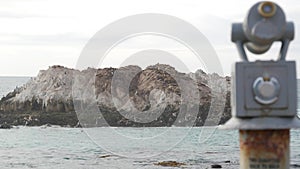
263	97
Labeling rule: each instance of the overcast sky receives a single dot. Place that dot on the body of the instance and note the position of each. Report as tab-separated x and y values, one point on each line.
35	34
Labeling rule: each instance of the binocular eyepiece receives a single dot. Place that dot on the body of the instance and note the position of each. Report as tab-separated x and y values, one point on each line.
264	24
267	9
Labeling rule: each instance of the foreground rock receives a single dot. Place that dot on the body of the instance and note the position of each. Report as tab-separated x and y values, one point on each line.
170	164
128	96
216	166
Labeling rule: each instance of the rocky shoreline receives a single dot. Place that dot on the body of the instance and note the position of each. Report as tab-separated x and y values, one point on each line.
49	98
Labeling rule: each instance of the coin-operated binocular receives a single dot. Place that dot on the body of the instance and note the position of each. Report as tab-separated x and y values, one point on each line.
264	94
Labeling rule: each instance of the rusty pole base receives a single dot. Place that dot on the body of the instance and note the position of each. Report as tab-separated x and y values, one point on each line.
265	149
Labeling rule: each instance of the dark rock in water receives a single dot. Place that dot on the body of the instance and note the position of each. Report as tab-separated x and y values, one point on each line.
216	166
295	165
5	126
170	164
105	156
153	95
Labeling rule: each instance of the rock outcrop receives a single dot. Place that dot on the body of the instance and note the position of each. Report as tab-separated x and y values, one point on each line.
127	96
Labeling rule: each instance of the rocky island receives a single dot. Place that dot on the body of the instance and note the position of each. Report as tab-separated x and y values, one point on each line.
50	97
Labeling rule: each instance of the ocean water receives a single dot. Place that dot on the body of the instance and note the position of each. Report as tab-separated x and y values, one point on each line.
117	148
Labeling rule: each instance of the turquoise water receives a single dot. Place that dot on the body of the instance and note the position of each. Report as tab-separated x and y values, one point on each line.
64	148
47	148
35	147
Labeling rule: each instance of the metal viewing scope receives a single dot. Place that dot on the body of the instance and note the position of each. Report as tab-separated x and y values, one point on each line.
264	24
263	92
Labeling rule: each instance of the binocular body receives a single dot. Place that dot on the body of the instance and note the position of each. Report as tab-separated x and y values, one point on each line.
264	88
